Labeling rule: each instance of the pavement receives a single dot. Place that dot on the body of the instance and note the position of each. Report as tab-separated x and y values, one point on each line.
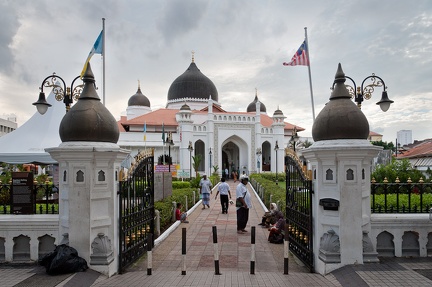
197	267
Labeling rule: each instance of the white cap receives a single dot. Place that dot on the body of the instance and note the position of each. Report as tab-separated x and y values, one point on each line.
244	176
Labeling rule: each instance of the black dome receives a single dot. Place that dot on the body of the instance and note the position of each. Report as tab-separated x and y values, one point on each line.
139	99
89	120
252	106
192	84
340	118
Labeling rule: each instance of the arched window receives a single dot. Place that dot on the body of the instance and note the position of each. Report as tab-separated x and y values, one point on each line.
350	174
329	174
80	176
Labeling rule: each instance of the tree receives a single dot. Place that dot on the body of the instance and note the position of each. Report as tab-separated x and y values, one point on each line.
397	168
306	144
385	145
196	163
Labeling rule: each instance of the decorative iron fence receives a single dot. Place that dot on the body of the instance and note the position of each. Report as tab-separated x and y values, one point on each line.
401	197
136	209
45	199
299	209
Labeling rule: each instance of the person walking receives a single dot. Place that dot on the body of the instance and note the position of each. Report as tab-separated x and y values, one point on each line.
224	191
243	198
205	190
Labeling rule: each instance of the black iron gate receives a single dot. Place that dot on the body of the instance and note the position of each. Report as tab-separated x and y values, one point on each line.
136	207
299	209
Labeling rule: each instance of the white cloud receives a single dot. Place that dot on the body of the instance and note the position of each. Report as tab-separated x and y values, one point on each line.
239	45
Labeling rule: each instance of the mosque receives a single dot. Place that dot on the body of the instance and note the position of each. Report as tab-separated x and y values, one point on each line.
194	123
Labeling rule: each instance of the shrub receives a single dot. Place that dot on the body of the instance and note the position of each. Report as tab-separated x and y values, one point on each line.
166	208
180	184
267	181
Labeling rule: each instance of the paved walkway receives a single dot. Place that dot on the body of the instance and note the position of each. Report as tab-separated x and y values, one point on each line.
234	261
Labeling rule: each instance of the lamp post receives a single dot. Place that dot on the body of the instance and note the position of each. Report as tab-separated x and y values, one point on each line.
210	160
294	138
62	93
190	149
169	141
258	153
276	150
365	92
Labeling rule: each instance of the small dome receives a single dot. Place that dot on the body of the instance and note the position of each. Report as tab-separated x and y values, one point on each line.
185	107
139	99
278	113
89	120
252	106
340	118
192	84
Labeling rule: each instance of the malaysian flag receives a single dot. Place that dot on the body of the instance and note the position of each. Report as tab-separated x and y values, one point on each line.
300	58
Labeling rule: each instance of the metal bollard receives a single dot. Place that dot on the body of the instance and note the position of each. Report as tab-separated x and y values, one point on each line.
149	253
252	263
271	198
183	251
194	198
286	249
186	203
216	253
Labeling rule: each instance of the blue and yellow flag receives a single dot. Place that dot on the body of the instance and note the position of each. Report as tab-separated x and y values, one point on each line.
145	131
97	49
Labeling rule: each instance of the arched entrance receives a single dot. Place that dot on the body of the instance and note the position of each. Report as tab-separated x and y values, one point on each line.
235	155
266	156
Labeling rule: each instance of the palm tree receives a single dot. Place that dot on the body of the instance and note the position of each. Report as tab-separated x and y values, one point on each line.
196	163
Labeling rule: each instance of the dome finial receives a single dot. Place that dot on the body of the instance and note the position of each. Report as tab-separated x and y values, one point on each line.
256	92
139	85
193	56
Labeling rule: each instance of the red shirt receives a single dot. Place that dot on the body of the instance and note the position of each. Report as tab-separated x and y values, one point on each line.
178	214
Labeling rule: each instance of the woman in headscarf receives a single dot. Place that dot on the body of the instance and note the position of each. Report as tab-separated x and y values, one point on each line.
269	217
276	232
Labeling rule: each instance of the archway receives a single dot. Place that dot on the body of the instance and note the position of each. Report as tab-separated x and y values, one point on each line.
235	153
200	149
266	156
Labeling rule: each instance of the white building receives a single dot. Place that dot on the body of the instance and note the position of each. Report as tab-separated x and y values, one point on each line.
249	141
8	125
404	137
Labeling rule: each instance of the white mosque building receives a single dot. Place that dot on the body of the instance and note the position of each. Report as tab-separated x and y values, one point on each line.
249	141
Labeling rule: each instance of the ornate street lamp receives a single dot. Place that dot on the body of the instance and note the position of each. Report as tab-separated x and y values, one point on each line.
169	142
276	150
190	149
62	93
359	94
258	153
294	138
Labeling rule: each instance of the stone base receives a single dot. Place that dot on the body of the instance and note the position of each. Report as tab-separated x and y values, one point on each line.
329	257
370	257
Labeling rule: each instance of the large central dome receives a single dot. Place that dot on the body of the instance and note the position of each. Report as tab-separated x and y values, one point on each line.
192	84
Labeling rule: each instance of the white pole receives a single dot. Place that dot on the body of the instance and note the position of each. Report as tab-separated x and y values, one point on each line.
103	60
310	78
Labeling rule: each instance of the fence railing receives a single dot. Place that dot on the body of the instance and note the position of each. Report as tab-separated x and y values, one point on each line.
45	199
401	197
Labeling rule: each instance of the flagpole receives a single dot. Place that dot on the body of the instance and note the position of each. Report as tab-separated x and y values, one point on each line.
310	78
103	60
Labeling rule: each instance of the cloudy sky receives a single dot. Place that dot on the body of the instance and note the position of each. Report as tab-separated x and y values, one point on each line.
240	45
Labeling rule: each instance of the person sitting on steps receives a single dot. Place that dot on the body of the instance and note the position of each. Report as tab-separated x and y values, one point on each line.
276	232
269	217
182	216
